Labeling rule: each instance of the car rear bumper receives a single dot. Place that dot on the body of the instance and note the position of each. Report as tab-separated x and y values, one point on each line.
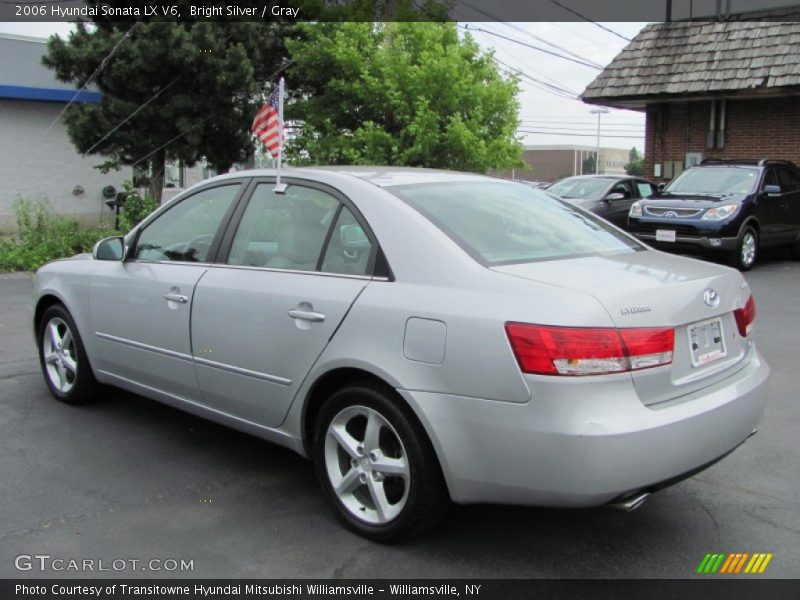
722	244
586	443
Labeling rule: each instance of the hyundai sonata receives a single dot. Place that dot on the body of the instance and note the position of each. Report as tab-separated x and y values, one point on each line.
423	336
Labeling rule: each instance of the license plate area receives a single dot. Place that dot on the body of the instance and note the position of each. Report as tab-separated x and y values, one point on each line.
706	342
665	235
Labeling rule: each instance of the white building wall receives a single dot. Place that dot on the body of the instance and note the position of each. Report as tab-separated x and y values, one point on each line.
39	163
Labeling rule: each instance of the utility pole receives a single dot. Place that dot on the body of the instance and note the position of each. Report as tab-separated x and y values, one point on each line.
598	111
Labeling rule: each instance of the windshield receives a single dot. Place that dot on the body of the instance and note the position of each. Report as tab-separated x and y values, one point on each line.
504	223
580	187
717	181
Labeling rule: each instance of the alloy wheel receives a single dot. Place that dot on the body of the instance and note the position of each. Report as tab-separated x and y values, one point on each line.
60	355
748	250
367	465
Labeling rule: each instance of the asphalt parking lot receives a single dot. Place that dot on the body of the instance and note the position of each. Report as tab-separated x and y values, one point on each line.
129	478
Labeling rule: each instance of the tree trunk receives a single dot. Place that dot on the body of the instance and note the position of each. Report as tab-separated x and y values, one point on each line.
157	179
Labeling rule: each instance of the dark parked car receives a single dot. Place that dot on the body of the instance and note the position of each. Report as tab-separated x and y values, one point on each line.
733	207
608	196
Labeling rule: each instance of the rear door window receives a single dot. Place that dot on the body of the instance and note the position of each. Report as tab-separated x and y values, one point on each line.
283	231
787	180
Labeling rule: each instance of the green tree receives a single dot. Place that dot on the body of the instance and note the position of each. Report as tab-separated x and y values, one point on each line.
211	74
635	164
399	94
589	165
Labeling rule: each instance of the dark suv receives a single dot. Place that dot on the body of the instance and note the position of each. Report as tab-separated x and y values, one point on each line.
734	207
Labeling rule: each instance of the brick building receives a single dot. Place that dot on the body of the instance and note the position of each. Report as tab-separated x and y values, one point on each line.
726	89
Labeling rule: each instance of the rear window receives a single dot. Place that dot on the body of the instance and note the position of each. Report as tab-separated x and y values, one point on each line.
504	223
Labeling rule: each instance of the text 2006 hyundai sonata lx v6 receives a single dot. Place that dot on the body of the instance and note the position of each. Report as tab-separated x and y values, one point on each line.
423	336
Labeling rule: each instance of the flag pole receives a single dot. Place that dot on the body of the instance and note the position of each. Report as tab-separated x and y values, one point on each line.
280	188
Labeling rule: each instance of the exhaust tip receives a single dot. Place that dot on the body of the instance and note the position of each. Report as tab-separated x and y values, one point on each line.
631	503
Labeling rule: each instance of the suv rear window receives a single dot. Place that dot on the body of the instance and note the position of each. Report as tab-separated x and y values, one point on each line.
504	223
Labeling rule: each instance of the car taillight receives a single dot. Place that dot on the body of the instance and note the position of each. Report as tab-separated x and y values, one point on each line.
548	350
745	317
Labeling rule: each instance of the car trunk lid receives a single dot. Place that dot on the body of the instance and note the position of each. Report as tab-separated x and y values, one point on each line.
653	289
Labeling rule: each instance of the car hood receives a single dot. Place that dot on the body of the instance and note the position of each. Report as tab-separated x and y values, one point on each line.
82	256
642	289
691	201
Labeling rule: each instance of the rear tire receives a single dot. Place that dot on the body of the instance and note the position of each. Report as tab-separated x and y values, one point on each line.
376	465
63	359
746	252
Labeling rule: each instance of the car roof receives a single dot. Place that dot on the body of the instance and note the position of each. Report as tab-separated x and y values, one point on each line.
377	175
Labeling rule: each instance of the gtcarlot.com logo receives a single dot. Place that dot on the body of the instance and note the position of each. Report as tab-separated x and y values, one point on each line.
46	562
734	563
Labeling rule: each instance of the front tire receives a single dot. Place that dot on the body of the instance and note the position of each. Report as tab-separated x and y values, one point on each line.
62	356
376	465
746	252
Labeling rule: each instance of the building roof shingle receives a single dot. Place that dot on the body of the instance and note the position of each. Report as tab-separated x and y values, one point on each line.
701	59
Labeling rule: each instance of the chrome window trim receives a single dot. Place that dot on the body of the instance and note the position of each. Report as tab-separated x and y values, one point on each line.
184	263
254	268
293	271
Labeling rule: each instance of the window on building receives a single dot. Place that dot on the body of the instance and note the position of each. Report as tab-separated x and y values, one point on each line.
716	126
174	175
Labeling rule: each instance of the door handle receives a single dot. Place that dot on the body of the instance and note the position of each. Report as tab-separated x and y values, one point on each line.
175	297
307	315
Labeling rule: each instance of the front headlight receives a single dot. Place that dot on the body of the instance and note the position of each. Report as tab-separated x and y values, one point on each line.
636	210
720	212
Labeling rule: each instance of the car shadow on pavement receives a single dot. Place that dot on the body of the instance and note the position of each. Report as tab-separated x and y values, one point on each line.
208	459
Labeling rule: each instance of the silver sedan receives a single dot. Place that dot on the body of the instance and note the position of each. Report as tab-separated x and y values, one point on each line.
423	336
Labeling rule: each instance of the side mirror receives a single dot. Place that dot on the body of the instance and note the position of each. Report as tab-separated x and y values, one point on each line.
615	196
772	190
353	238
112	248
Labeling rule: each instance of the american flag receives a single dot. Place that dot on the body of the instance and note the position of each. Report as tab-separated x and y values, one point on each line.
267	125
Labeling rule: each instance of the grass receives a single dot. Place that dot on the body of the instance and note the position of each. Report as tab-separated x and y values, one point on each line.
43	236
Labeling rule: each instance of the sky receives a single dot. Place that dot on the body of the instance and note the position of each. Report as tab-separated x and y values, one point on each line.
547	117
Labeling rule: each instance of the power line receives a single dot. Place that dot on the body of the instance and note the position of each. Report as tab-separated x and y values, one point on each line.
134	113
551	44
499	46
526	131
532	47
555	88
579	121
600	25
93	76
587	128
531	35
620	126
177	137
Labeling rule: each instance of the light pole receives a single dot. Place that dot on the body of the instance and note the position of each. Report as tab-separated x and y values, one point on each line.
598	112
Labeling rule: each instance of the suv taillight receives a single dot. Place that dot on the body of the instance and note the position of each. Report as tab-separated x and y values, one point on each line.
548	350
745	317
